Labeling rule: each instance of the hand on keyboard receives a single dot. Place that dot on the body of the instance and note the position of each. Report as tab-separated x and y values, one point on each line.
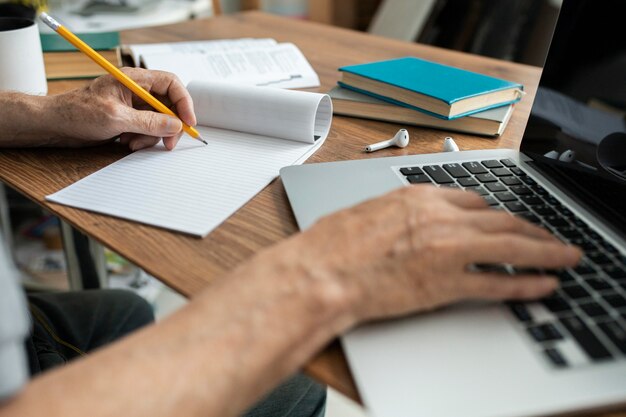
412	249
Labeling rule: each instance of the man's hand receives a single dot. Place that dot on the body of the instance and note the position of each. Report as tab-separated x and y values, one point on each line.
105	109
413	250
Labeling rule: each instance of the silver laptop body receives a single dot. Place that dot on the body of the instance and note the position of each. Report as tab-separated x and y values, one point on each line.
481	359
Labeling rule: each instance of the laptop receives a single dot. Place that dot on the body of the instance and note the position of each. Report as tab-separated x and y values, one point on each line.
563	353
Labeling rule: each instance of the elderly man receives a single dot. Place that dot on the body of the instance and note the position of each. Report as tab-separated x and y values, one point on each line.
406	252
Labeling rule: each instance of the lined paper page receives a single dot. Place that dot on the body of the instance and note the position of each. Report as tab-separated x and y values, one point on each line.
194	188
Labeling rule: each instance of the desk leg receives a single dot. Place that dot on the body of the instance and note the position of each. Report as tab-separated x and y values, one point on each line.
86	266
5	220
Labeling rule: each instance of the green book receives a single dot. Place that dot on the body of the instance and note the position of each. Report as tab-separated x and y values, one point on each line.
52	42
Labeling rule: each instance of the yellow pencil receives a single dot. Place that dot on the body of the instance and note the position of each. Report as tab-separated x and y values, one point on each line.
114	71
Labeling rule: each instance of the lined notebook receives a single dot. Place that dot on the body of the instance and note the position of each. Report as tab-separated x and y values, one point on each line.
252	132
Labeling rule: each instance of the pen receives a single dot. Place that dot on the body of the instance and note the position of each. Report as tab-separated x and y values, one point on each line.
114	71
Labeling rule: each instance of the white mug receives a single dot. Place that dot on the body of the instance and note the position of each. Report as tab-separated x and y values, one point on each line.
21	57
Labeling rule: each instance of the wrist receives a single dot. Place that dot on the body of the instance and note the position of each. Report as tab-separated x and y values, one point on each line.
24	119
325	291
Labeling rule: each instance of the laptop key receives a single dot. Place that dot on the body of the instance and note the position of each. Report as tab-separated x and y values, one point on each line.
495	187
515	207
507	163
544	210
520	311
486	178
491	200
615	333
492	163
438	174
599	258
565	276
510	180
411	171
501	172
468	182
518	172
531	200
545	332
555	357
505	196
474	167
585	269
598	284
585	338
615	272
528	216
419	179
555	221
521	190
569	232
456	170
615	300
529	181
585	244
576	292
556	304
593	309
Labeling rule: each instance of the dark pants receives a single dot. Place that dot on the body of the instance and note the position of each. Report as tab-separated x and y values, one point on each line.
68	325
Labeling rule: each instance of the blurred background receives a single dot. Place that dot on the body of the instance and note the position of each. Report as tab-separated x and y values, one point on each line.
516	30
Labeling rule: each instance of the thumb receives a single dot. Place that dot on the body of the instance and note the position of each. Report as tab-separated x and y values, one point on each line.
151	123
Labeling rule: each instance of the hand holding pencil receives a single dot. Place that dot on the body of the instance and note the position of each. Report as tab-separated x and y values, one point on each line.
147	126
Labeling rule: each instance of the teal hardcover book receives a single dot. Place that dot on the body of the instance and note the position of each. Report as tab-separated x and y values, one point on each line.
439	90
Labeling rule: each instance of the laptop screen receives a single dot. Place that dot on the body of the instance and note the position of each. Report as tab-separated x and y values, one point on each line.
576	133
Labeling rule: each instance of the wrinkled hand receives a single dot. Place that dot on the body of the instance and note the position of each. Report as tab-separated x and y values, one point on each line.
105	109
412	250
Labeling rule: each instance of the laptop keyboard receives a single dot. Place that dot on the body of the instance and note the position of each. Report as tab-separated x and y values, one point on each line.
584	321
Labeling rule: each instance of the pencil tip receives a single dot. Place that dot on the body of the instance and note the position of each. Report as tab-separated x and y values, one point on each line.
201	139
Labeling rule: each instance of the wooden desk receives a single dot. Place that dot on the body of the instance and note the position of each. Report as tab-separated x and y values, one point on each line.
189	264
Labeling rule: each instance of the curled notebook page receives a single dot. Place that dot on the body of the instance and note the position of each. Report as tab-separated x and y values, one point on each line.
251	132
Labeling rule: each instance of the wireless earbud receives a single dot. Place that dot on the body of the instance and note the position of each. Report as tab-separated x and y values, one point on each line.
449	145
401	139
567	156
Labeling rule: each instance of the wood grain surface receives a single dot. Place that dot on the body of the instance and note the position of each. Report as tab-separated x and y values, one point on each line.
188	264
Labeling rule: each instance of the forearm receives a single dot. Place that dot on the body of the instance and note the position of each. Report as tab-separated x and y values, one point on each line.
216	357
25	120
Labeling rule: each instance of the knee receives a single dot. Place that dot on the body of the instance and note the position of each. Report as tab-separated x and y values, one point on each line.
137	310
300	396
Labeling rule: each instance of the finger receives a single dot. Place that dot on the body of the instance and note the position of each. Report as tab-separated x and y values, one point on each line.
506	287
169	85
125	138
170	142
151	123
492	221
517	250
142	142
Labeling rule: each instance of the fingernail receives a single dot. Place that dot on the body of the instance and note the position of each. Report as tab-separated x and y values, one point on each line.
174	126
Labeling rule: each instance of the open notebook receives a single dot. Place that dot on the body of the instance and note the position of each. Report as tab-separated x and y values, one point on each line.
261	61
251	132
